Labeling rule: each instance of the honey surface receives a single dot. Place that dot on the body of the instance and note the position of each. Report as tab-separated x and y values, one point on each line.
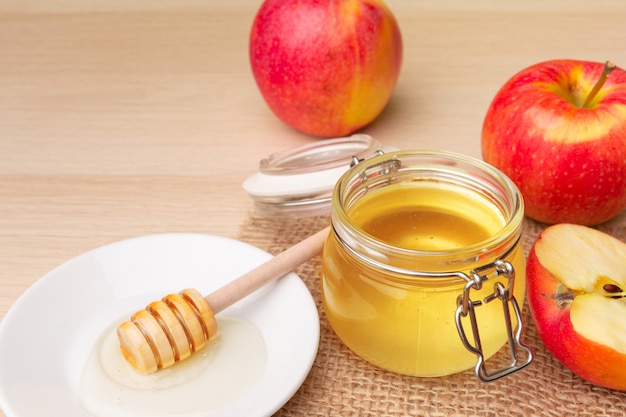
221	373
427	216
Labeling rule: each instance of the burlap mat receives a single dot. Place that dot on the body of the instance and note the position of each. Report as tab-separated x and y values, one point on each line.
342	384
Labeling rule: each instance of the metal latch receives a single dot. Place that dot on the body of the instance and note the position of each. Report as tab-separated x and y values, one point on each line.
521	355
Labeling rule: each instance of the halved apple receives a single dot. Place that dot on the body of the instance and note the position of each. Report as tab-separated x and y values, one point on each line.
576	291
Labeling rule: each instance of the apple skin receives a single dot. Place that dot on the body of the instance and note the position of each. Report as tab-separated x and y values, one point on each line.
569	162
592	361
325	67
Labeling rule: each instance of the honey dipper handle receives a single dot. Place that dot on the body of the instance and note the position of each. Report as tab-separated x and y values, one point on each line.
274	268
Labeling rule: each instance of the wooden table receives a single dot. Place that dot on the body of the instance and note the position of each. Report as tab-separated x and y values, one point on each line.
121	119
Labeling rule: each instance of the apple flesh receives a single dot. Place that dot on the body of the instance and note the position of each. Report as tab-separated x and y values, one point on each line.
560	141
576	282
325	67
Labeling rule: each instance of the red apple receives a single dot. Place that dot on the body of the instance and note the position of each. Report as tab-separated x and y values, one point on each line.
576	277
325	67
558	130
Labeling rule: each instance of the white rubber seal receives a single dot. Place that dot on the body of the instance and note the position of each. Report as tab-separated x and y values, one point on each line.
302	179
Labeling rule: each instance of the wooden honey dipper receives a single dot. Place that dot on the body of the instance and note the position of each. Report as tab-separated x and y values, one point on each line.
170	330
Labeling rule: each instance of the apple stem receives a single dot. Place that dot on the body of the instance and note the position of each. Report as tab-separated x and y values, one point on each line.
606	71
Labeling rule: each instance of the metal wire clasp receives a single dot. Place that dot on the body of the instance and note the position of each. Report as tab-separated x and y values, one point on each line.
356	160
466	306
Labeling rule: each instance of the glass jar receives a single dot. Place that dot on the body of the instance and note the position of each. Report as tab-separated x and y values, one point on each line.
423	271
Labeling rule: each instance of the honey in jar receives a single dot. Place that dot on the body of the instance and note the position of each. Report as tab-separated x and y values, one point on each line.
423	270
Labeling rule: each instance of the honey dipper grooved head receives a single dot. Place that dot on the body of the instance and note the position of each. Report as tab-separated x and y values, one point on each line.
166	331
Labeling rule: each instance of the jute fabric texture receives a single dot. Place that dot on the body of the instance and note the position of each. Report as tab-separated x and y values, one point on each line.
342	384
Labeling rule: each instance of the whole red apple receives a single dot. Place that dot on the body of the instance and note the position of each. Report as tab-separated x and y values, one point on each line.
576	282
558	130
325	67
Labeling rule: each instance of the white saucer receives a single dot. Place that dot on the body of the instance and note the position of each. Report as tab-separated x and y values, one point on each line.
46	336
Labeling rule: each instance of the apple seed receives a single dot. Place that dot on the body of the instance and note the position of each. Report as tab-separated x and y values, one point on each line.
611	288
614	291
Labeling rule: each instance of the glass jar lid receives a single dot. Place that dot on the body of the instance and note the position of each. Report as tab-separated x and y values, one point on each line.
300	181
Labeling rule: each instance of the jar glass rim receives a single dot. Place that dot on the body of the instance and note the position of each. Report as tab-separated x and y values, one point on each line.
453	166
